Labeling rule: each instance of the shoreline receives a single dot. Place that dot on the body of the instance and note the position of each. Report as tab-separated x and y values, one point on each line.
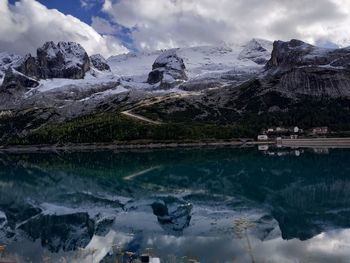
130	145
121	146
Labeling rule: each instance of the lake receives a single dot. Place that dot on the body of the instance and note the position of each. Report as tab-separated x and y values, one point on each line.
208	205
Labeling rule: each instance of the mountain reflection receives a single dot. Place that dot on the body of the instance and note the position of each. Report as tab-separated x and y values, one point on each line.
290	196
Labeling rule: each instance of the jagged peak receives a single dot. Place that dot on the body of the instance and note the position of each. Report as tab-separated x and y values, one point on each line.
68	49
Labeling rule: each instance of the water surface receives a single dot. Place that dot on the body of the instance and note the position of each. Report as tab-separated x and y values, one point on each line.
212	205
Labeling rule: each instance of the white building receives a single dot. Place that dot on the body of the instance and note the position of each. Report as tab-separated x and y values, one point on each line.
263	137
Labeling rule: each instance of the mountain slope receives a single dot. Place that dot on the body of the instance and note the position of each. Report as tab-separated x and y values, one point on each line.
301	85
240	88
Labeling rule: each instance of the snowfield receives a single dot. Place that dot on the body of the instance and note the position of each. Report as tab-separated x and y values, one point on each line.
199	61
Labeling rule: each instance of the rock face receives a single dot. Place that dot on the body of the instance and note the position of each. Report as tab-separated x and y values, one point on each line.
6	61
168	69
15	80
296	53
99	62
28	66
64	60
297	68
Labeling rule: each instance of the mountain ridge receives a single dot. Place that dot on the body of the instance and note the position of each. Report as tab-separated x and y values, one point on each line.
242	86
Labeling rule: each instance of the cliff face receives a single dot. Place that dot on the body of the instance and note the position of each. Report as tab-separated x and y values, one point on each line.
297	68
313	81
296	53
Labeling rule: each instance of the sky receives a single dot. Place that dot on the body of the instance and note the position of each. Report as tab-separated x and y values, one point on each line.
111	27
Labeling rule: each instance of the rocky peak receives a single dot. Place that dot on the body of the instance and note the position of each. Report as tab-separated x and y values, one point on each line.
169	60
289	54
300	69
167	69
64	60
257	50
296	53
99	62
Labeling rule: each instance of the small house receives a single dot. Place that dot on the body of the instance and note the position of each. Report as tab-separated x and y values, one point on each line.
263	137
319	130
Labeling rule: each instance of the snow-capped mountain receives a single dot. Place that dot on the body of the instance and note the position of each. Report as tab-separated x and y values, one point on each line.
225	84
66	75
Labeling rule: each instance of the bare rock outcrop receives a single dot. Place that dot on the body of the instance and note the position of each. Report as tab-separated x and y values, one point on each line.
167	70
17	81
99	62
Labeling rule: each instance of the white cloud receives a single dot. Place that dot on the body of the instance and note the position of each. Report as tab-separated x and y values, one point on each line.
87	4
28	24
103	26
171	23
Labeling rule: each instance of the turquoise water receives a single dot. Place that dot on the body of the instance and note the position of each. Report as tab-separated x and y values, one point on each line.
212	205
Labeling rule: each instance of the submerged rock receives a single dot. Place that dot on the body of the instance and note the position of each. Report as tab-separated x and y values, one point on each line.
15	214
173	214
67	232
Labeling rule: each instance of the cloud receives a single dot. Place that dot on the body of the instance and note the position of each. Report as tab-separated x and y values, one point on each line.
159	24
88	4
28	24
103	26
